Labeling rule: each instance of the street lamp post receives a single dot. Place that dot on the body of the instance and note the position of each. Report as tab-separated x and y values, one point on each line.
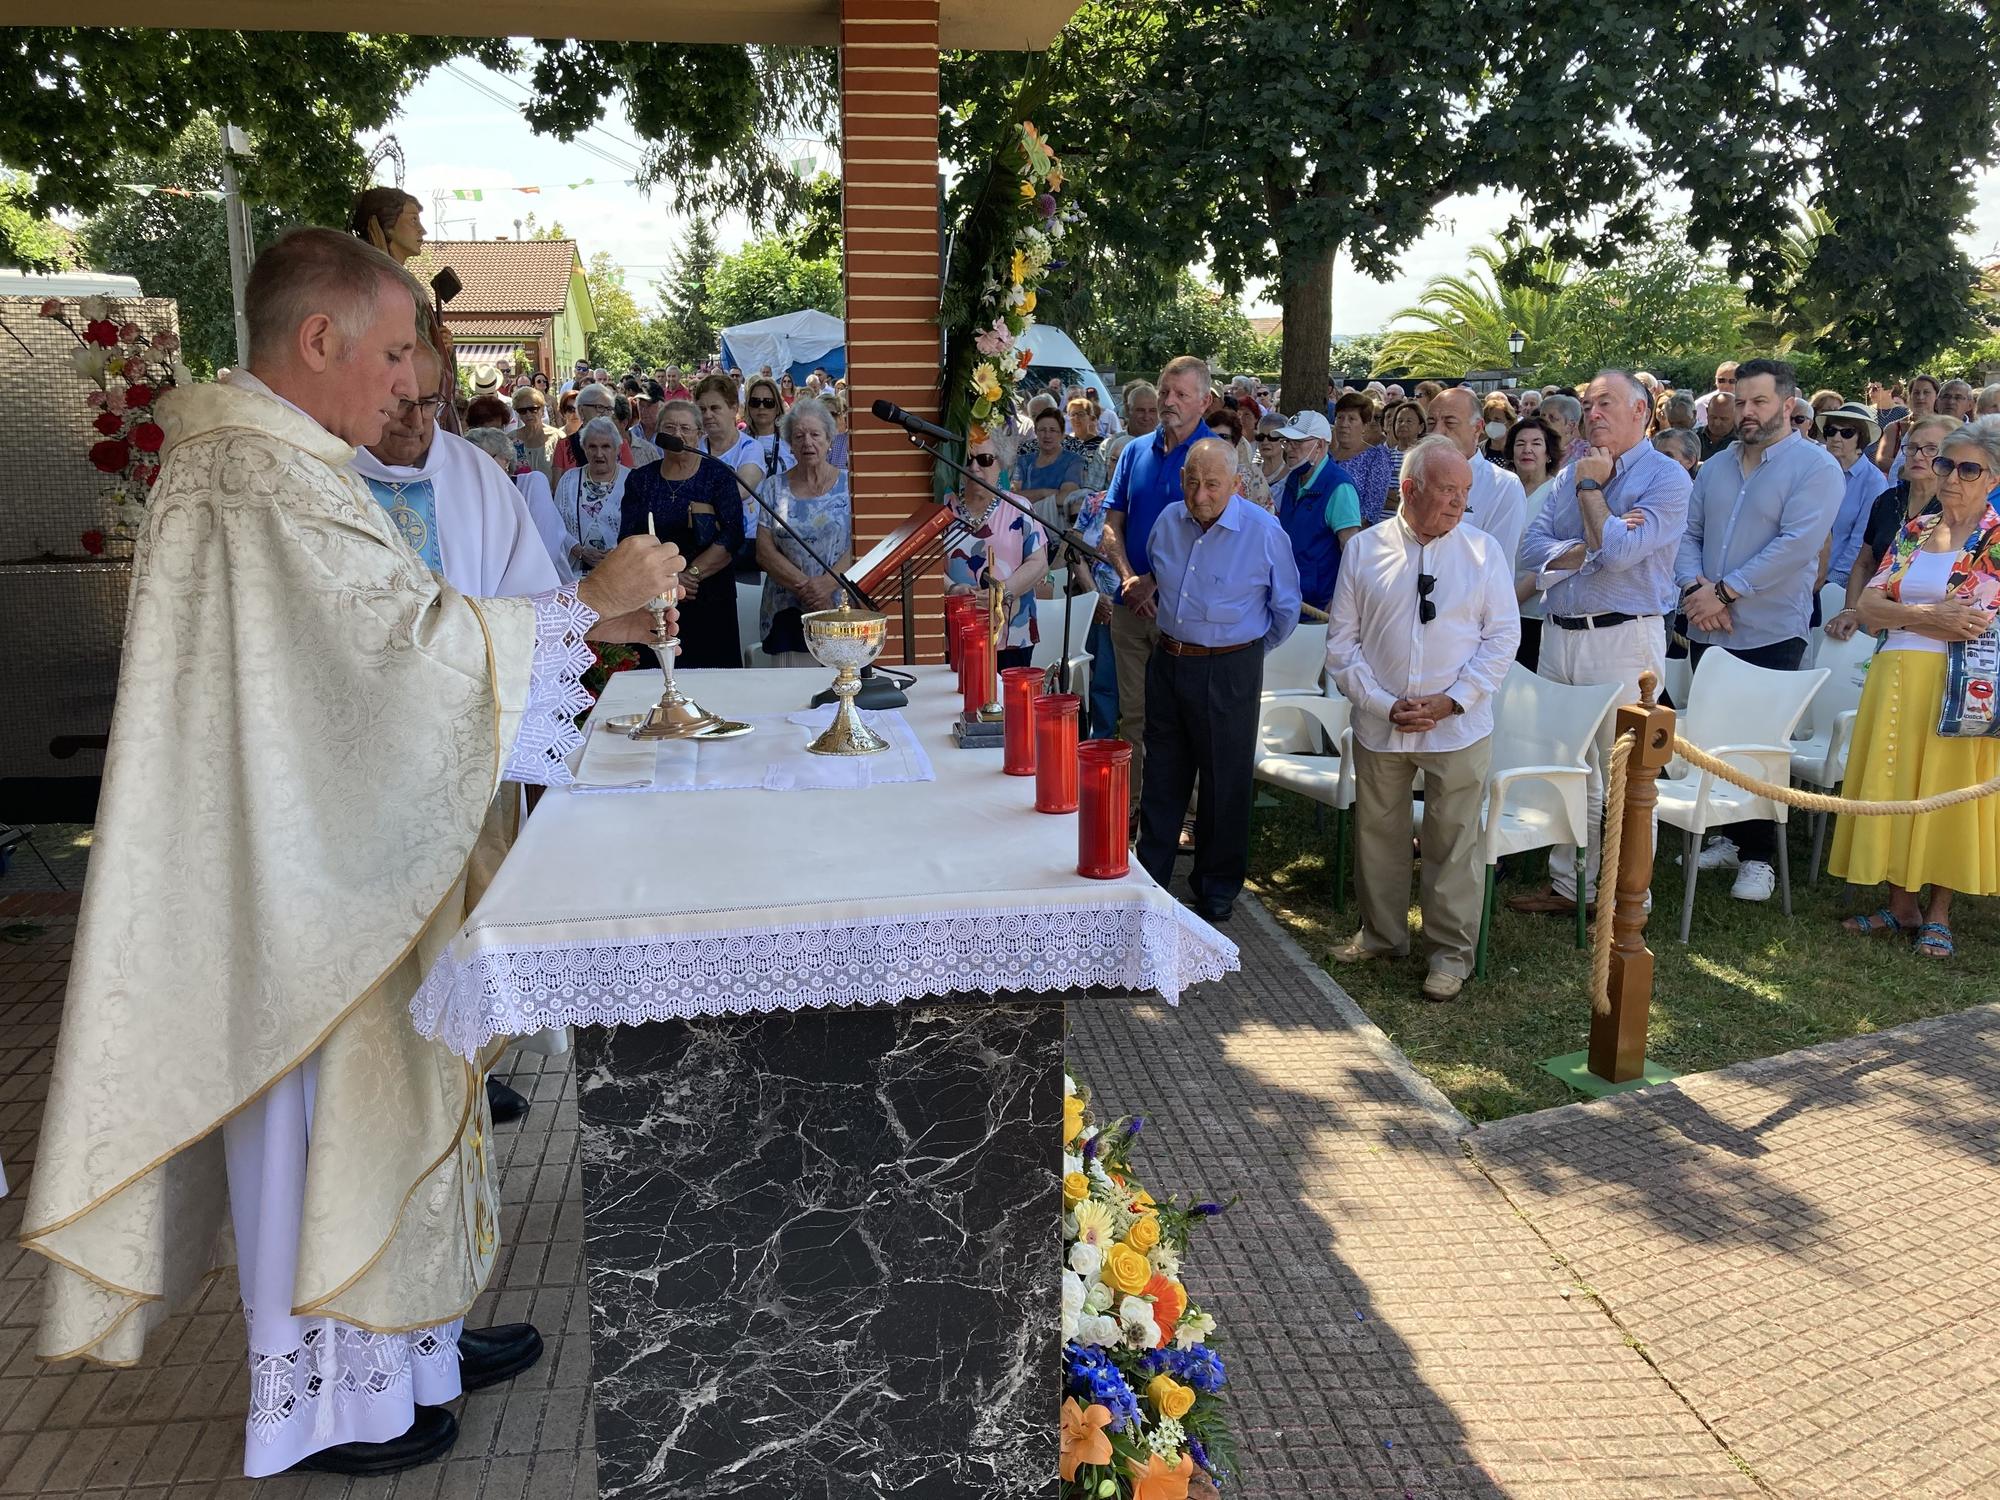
1516	342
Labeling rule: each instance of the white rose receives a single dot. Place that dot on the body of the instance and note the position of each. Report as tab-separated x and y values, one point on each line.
1098	1299
95	308
1086	1260
1072	1304
1096	1328
1071	1163
88	361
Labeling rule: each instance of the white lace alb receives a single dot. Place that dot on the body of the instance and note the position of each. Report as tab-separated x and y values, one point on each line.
556	694
467	1002
336	1368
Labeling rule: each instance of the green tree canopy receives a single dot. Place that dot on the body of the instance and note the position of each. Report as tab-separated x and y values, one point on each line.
177	247
34	243
625	332
767	277
685	296
1136	335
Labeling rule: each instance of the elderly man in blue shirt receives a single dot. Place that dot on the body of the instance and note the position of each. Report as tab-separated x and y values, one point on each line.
1228	593
1601	553
1760	514
1147	483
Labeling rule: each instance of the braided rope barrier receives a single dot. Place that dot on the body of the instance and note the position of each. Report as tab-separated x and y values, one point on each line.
1694	755
1607	872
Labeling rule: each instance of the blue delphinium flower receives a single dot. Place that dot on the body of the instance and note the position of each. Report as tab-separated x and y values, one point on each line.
1093	1377
1200	1367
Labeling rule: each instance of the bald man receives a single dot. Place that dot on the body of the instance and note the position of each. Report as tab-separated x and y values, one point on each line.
1228	593
1498	505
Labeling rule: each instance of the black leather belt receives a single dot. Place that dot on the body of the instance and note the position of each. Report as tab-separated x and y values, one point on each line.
1183	648
1595	622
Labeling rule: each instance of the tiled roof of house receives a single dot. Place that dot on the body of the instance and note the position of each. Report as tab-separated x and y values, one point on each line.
493	328
502	276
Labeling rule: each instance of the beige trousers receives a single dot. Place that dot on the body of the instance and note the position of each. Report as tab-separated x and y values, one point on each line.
1454	881
1132	639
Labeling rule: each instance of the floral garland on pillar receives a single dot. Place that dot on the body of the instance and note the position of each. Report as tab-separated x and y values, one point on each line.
130	366
1025	248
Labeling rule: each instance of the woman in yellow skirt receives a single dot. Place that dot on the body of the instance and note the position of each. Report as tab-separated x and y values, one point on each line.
1939	583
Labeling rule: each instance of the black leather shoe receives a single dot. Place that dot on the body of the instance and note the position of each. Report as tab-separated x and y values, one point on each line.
487	1356
1211	912
430	1437
504	1104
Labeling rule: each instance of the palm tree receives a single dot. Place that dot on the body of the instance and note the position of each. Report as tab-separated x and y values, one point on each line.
1461	323
1799	313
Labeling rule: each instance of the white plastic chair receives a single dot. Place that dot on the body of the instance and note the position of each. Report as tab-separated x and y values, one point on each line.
1744	715
1832	600
1821	758
1538	790
1538	787
1295	667
1076	670
1305	744
749	602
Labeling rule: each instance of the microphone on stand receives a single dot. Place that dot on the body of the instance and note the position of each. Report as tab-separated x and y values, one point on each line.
879	689
915	426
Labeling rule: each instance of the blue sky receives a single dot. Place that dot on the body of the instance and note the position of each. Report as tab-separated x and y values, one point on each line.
455	135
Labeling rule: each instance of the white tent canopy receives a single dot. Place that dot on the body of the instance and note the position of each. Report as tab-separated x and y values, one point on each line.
786	342
1053	352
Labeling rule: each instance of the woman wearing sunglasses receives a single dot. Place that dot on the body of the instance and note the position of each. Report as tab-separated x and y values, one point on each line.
1940	582
1005	546
763	404
1913	496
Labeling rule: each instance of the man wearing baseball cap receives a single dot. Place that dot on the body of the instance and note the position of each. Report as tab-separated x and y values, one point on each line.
1318	506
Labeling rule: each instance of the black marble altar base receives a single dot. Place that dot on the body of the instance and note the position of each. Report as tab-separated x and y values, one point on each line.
822	1253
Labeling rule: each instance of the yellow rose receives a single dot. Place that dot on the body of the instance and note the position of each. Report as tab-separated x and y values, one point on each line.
1076	1188
1027	304
1144	1234
1072	1106
1027	190
1142	1202
1169	1397
1126	1271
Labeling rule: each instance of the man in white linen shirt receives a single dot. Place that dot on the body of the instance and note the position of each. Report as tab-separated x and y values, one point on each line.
1424	627
1497	505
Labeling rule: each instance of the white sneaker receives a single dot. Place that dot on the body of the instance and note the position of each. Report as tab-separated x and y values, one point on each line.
1719	855
1755	881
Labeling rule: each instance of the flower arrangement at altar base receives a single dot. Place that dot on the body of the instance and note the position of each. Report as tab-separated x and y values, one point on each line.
1143	1413
1007	311
130	366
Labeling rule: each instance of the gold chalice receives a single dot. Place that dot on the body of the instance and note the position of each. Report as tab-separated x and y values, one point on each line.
847	640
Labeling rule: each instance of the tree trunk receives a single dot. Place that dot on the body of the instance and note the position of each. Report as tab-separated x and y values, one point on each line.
1305	295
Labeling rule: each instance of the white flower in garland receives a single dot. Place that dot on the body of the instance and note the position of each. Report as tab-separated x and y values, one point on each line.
1086	1260
1135	1319
1195	1326
1073	1292
1098	1300
1162	1259
1097	1329
1167	1437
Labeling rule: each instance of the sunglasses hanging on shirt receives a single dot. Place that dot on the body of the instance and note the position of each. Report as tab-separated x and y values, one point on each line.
1427	609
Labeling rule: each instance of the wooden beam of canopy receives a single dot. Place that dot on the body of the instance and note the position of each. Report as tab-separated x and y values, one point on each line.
979	25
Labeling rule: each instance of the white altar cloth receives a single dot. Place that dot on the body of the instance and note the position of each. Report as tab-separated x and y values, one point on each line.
773	757
627	909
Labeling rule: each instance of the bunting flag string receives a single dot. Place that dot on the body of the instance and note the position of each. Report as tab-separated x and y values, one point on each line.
147	189
479	195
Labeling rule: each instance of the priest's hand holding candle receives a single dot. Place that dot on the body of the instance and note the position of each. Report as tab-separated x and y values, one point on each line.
638	569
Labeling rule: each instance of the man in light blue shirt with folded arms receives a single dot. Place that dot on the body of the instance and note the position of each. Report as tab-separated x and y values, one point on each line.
1228	593
1761	511
1601	553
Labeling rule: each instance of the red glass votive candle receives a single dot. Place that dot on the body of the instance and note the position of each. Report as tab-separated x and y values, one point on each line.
956	608
1104	775
960	628
1055	752
975	647
1019	688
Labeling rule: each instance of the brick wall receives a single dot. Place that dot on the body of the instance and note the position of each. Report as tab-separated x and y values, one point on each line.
889	213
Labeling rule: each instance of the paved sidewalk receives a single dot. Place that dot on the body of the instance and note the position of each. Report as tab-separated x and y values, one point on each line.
1771	1281
1804	1246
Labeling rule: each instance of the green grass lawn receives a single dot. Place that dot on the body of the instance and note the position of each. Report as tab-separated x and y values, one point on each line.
1748	984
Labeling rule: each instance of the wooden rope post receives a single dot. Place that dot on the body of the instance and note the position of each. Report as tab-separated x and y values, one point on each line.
1618	1035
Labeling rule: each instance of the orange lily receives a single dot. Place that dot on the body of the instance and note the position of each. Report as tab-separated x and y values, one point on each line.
1156	1481
1083	1437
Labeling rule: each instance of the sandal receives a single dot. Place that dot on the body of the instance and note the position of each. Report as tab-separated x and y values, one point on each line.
1880	920
1934	941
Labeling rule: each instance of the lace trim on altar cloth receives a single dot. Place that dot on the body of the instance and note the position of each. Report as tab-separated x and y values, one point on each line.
315	1387
466	1003
556	694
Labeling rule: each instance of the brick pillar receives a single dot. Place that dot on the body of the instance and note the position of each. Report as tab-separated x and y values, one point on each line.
889	216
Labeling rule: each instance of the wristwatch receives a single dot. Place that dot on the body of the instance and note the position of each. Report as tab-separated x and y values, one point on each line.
1722	592
1588	484
1456	707
693	571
